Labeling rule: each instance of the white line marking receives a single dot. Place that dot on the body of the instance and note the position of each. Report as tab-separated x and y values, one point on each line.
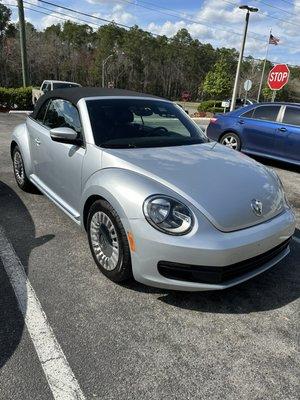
60	377
296	239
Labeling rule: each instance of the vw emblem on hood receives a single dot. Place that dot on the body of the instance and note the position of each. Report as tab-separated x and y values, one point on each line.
257	207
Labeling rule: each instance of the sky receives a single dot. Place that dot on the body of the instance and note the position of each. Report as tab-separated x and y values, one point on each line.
219	22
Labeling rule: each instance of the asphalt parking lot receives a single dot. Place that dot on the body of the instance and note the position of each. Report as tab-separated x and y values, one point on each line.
134	342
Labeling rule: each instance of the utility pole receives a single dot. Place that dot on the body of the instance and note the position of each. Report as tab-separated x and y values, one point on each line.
23	43
238	70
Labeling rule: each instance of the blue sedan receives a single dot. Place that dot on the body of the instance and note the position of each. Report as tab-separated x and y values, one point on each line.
266	129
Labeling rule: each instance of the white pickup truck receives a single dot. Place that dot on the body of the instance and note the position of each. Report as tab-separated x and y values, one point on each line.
46	86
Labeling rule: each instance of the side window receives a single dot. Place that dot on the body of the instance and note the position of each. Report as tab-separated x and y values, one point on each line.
266	113
62	113
47	87
248	114
292	116
41	113
44	86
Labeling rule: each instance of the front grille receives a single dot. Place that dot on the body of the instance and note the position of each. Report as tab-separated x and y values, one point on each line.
217	275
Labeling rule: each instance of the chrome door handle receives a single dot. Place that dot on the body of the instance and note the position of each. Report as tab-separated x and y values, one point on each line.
37	141
241	121
282	129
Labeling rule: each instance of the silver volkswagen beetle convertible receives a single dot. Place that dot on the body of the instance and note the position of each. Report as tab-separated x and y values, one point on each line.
159	201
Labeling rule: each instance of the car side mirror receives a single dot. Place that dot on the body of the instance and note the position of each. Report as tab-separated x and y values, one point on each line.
65	135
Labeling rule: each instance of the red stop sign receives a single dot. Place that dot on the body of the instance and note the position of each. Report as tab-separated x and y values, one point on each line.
278	76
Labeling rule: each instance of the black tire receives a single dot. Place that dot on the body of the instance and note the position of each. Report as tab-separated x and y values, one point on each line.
235	144
19	171
101	242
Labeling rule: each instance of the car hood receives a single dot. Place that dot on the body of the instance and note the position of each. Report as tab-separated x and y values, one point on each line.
220	182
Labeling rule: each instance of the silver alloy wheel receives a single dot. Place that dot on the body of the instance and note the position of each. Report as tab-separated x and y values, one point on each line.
230	141
19	168
104	240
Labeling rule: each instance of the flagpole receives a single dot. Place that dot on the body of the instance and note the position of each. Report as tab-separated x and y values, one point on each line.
264	67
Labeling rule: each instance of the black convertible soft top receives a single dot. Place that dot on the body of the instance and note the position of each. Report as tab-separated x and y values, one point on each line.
75	94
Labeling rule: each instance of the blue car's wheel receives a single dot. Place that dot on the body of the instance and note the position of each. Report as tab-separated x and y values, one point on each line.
232	140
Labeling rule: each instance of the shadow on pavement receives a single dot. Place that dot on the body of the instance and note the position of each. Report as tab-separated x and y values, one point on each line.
268	291
276	163
20	231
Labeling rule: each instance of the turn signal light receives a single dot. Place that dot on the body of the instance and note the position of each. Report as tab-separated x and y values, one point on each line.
131	241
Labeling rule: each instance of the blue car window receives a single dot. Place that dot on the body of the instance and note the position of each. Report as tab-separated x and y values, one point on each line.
266	113
292	116
248	114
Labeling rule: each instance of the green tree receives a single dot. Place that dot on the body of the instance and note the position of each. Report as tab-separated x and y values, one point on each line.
218	82
5	14
267	93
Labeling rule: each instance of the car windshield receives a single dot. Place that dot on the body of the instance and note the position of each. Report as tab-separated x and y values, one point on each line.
125	123
62	85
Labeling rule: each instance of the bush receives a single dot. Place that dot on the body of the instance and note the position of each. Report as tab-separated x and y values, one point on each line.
217	110
209	105
16	98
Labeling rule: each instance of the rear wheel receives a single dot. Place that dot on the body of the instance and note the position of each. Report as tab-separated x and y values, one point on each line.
108	242
19	171
231	140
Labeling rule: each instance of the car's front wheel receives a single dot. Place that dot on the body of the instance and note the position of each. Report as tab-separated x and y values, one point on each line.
231	140
19	171
108	242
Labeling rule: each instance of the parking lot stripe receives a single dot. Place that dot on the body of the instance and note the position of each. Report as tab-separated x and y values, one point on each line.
60	377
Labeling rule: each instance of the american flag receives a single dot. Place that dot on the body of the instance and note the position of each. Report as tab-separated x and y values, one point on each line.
273	40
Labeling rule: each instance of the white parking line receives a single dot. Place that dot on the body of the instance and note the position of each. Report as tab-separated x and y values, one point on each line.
60	377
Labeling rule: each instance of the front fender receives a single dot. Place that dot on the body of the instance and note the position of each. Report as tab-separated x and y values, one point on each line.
20	136
125	190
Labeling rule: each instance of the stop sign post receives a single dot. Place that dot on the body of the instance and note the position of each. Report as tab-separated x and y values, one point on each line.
278	76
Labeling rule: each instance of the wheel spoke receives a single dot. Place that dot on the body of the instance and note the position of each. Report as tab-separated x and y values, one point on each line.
230	141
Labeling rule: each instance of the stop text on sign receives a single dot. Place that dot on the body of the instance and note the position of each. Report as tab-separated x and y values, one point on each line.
278	76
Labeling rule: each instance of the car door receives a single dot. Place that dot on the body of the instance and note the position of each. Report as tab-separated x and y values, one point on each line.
59	164
36	131
258	128
288	134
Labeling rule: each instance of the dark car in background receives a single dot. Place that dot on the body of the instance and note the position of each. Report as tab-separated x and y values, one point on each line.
241	102
266	129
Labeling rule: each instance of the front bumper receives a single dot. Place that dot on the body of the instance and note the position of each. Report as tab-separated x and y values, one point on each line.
206	246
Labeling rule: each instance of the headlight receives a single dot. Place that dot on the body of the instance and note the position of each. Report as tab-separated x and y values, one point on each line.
168	215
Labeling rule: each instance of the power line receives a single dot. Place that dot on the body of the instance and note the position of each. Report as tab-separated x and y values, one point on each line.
99	18
58	12
84	14
37	11
178	15
126	26
189	20
275	7
288	2
50	14
266	15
